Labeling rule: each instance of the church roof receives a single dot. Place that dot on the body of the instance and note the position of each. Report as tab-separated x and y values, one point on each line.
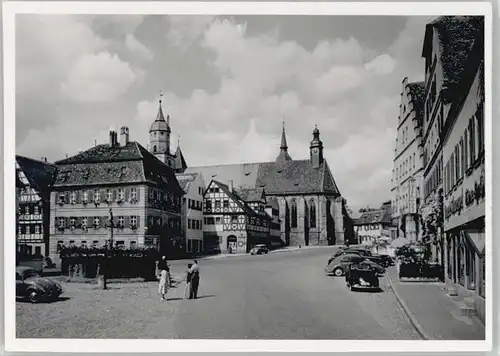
293	177
272	202
456	36
106	164
40	174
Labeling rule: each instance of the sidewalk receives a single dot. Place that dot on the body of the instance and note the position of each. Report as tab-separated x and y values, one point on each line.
434	313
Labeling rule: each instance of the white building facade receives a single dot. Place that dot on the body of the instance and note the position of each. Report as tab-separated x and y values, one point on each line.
408	162
192	210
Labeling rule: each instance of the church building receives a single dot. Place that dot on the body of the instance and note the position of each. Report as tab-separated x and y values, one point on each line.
311	208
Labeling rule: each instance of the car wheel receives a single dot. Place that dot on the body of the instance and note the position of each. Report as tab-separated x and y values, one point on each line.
33	296
338	272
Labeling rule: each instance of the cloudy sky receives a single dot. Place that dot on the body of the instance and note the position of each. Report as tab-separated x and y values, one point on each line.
228	83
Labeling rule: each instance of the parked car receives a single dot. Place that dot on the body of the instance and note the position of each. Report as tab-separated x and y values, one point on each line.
350	251
31	286
32	261
259	250
361	276
338	266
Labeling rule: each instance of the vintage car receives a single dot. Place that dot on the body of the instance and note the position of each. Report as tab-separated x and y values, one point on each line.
31	286
350	251
339	265
259	250
361	276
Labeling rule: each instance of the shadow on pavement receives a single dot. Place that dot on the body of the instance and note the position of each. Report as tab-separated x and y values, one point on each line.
60	299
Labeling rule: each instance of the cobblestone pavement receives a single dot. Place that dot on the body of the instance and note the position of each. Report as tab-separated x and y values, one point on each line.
438	314
279	296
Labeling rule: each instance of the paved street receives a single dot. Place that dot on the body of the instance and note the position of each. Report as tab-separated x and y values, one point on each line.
275	296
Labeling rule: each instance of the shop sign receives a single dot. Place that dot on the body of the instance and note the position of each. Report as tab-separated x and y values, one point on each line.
477	193
455	206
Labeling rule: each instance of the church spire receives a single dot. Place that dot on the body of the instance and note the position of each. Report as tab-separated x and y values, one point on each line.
283	146
159	116
283	156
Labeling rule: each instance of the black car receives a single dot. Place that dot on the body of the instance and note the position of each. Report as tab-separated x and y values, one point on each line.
31	286
362	276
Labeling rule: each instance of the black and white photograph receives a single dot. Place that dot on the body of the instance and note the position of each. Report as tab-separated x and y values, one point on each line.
299	177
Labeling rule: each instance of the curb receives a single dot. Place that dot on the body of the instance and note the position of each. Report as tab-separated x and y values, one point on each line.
413	321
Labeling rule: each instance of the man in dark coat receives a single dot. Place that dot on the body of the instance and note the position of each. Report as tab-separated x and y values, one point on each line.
195	280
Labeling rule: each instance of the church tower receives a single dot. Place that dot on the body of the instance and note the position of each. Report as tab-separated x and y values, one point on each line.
316	149
159	137
283	156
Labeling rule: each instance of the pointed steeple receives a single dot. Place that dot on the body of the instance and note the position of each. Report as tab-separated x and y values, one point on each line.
180	162
159	116
283	146
283	156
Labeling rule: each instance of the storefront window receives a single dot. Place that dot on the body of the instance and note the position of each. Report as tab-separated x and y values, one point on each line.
471	268
461	265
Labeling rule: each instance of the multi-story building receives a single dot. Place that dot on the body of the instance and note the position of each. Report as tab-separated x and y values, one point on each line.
192	210
231	225
407	172
374	225
33	216
464	178
447	43
311	208
122	179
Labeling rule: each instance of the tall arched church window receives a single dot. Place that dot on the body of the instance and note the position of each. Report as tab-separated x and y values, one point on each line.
294	214
155	148
312	214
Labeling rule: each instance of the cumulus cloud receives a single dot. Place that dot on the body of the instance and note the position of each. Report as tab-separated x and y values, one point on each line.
184	30
137	47
100	77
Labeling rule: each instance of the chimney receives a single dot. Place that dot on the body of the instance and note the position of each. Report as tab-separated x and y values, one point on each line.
113	138
231	186
44	159
123	135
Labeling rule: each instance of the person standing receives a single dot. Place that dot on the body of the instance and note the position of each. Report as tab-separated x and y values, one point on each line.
187	278
195	280
164	283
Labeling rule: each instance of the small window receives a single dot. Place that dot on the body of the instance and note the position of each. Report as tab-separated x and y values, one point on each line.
234	218
133	244
95	243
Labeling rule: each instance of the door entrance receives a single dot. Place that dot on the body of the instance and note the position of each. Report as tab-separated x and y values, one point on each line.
231	243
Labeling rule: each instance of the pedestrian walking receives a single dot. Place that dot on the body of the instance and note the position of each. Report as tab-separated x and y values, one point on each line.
187	279
164	283
195	280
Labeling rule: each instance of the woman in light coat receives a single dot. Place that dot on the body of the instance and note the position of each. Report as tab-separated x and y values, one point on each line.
164	278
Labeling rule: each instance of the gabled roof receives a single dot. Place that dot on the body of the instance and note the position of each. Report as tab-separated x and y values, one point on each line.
40	175
185	180
456	36
235	197
373	217
105	164
417	97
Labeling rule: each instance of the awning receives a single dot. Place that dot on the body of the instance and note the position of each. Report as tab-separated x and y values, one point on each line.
477	240
400	242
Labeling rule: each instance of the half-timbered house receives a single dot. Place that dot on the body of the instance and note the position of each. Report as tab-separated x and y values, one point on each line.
121	178
231	225
35	181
